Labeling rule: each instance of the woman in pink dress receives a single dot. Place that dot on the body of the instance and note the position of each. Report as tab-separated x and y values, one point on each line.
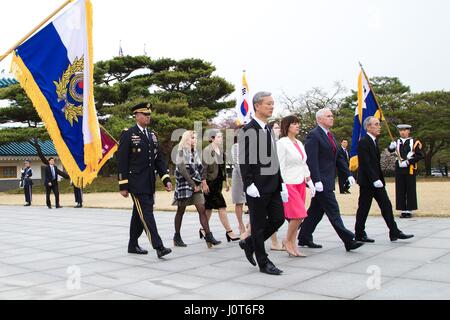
296	176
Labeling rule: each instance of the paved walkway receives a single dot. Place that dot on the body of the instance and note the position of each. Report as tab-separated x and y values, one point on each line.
81	254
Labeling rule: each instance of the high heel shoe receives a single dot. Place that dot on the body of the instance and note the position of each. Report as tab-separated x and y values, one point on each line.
210	241
290	253
230	238
177	241
201	233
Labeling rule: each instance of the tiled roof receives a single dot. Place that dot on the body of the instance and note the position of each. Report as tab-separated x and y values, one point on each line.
6	81
26	149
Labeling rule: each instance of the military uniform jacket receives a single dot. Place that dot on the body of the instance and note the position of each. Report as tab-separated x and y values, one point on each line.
26	175
410	150
139	159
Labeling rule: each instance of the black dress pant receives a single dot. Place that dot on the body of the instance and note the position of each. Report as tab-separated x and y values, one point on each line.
48	190
78	195
28	190
266	217
344	185
143	219
405	192
324	202
366	194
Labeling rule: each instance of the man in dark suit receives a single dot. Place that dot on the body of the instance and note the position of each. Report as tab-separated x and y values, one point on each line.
344	185
321	149
372	185
262	182
51	183
27	183
139	157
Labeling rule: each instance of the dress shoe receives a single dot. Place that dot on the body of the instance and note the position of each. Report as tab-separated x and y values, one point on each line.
400	235
248	252
49	207
161	252
58	207
406	215
352	245
137	250
309	244
79	205
270	268
348	192
365	239
27	205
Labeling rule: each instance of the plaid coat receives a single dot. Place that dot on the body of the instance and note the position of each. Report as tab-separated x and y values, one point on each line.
188	173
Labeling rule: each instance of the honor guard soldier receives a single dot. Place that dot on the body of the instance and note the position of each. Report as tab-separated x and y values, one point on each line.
139	158
27	183
408	152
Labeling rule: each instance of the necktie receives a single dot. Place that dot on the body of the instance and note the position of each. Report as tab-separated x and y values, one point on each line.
330	137
53	172
269	140
145	133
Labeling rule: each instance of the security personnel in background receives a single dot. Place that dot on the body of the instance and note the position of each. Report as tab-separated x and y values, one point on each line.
409	152
344	185
27	183
139	158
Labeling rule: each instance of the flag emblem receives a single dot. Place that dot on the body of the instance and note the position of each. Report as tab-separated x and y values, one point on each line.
70	90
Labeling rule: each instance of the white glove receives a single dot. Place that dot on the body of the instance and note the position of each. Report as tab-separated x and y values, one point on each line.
252	191
319	186
312	189
410	155
403	164
378	184
284	193
393	145
351	181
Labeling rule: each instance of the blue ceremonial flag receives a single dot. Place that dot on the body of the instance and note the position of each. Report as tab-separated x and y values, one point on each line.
367	106
55	67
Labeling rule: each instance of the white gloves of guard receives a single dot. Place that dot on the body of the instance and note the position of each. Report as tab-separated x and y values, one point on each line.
378	184
393	145
319	186
252	191
312	189
351	181
284	193
403	164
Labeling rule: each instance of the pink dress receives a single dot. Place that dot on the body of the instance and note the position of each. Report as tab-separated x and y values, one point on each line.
295	207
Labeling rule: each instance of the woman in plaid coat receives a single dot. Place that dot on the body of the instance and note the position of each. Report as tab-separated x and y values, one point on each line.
188	191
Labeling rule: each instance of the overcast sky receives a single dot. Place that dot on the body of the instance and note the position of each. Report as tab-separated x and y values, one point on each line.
285	45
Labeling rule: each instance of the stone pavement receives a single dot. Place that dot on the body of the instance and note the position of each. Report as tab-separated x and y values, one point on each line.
81	254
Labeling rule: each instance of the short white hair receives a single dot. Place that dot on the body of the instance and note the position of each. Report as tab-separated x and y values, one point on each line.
321	113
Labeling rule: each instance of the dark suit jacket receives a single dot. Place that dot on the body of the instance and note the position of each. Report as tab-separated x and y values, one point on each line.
138	159
369	168
254	168
321	160
48	176
343	156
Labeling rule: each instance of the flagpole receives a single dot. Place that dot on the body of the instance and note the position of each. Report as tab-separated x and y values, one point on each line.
378	105
29	34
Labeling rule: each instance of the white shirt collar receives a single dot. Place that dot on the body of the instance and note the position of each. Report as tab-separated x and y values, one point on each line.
371	136
325	130
140	128
261	123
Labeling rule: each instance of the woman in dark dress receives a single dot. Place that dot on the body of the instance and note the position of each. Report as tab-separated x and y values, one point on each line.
214	175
